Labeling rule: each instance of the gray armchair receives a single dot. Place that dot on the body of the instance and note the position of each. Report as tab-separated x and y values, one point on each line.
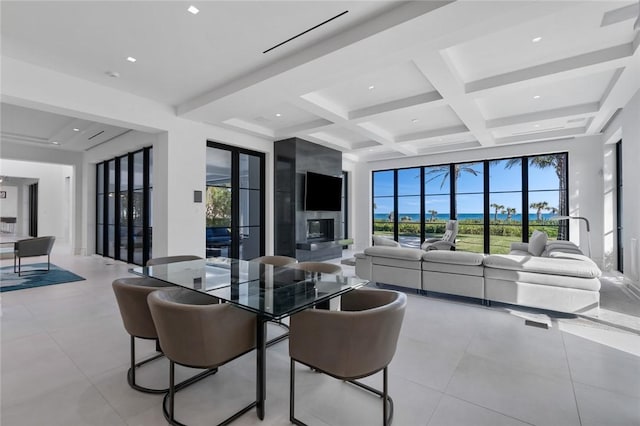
32	247
350	344
446	242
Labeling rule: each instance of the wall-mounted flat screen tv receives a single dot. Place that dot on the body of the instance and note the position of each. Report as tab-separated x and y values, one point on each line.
322	192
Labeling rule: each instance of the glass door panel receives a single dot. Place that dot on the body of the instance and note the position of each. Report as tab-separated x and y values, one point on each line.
470	206
235	202
505	204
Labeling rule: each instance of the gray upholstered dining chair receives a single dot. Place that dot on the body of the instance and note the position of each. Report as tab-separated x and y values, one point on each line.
131	296
356	342
195	331
32	247
446	242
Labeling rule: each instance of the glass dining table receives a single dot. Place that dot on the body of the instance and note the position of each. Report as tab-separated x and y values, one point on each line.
271	292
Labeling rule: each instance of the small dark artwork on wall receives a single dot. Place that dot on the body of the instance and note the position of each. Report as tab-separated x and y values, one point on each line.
3	194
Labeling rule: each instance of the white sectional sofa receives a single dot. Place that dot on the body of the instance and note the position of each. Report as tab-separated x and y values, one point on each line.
560	279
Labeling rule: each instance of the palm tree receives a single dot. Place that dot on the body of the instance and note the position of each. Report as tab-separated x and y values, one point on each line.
539	206
434	214
497	207
510	211
558	162
444	171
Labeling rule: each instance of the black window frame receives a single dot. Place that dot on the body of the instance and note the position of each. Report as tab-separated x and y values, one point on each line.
146	207
525	161
234	250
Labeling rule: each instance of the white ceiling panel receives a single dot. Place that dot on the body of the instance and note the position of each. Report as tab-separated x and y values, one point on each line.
419	118
389	84
179	55
283	115
541	96
574	30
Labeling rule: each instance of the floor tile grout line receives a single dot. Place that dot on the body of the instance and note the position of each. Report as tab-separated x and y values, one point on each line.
475	334
87	378
573	387
491	409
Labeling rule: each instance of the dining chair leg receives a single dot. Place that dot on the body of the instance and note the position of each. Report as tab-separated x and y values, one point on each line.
292	386
172	390
385	392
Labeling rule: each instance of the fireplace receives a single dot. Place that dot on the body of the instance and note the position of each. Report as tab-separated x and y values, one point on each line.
320	229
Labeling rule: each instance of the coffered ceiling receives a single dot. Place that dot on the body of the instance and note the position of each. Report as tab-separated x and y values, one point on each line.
387	79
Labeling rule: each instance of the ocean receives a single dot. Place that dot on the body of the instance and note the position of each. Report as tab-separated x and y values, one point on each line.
415	217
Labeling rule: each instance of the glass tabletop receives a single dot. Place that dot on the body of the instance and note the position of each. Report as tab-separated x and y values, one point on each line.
272	291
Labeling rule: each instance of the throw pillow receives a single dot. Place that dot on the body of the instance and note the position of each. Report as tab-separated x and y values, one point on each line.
447	235
537	243
381	241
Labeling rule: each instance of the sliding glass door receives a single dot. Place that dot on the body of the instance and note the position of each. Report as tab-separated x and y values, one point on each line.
234	202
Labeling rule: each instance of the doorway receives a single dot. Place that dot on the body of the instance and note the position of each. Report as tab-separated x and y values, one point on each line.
235	201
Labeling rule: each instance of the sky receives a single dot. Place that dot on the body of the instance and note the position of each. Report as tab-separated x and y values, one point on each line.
505	186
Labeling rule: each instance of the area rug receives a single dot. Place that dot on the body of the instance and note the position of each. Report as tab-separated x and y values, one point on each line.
30	278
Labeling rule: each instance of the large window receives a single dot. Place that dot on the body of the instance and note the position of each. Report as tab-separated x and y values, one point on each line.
494	201
547	176
469	191
437	200
234	202
123	207
384	201
505	204
409	217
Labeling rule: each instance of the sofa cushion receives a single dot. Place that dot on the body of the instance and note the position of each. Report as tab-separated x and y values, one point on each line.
576	267
452	269
395	252
579	283
453	257
537	243
561	246
360	256
385	242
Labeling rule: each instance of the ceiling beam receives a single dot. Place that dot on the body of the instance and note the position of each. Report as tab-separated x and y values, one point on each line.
421	99
321	107
599	60
440	75
434	133
308	127
406	11
544	135
590	109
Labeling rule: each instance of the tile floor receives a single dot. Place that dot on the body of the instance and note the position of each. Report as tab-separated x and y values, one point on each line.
65	353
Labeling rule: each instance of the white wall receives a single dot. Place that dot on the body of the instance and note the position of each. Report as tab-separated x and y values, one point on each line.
631	189
179	151
9	205
585	183
53	217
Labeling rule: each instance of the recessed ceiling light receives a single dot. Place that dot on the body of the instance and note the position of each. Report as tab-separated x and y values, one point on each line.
536	39
278	114
55	142
75	129
536	97
415	120
372	87
131	59
193	10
